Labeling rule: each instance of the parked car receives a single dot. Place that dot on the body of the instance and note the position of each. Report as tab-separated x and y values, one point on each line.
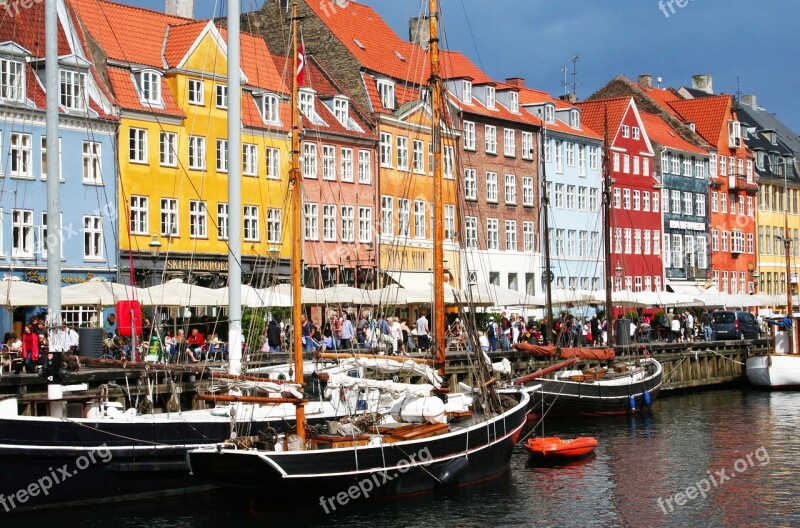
732	324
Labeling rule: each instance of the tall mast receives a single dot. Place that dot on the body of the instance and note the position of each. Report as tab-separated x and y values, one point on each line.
607	219
53	241
234	191
787	244
546	275
297	239
438	184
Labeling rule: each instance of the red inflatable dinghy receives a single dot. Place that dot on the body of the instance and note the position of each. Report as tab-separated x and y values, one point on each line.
555	447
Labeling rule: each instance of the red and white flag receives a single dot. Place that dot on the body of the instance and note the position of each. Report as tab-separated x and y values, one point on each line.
301	63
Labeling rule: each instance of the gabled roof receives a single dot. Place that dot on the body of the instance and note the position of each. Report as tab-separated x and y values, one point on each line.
763	119
708	114
661	96
593	114
660	132
403	94
530	96
128	98
180	39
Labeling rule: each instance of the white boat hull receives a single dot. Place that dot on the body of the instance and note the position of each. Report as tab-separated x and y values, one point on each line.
775	371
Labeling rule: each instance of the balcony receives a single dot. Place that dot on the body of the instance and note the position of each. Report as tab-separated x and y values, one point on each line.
739	182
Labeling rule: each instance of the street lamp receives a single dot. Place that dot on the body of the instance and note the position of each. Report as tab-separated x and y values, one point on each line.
155	249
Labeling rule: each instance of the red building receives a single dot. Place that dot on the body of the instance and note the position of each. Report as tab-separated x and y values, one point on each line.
636	222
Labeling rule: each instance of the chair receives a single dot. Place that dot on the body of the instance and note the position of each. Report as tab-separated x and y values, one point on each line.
7	358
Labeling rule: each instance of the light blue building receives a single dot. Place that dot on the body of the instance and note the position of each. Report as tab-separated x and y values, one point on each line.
87	130
572	179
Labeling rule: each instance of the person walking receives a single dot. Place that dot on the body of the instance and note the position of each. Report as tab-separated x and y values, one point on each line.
491	334
423	338
707	325
347	333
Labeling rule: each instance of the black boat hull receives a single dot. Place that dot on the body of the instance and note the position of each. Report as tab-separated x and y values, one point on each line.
573	398
332	478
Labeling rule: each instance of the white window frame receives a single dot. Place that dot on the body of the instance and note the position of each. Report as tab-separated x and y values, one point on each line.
250	159
139	215
274	226
150	88
348	223
527	191
490	139
272	156
20	154
93	238
72	89
330	229
311	221
509	142
251	220
491	187
364	167
197	152
12	80
196	88
510	189
168	149
221	96
198	219
469	136
22	233
346	164
222	221
310	166
169	226
328	163
222	155
365	225
492	234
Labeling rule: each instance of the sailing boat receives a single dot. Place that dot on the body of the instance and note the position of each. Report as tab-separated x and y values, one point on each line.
416	451
622	388
781	369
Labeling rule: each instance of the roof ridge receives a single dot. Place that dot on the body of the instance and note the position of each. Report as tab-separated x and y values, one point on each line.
138	8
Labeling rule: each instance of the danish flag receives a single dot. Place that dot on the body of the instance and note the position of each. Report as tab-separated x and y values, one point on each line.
301	63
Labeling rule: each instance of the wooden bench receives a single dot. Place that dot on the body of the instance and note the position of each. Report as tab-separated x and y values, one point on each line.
400	432
336	441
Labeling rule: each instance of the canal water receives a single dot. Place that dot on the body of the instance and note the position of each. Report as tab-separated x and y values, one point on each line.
722	458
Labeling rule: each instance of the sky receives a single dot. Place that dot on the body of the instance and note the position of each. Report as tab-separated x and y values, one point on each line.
745	45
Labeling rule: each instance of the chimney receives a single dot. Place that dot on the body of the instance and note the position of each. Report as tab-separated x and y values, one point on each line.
419	32
749	100
704	83
569	97
519	82
646	80
181	8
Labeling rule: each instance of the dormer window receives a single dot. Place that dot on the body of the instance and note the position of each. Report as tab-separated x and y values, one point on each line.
466	92
307	104
72	93
150	87
734	134
386	92
270	109
12	80
341	109
490	97
574	118
513	102
550	114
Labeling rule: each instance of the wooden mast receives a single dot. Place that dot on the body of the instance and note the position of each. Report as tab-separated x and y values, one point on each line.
435	83
547	275
787	245
297	240
607	222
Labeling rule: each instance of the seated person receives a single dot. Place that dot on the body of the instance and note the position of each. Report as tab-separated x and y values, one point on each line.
194	348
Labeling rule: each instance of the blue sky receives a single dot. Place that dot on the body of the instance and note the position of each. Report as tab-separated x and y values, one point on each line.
729	39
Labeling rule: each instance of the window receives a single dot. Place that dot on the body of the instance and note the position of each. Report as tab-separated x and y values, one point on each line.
689	252
168	149
309	160
513	98
570	154
419	219
222	221
466	91
137	145
636	164
449	222
664	161
724	237
548	150
617	198
306	104
750	211
636	200
386	150
328	162
723	202
559	157
734	134
626	163
403	216
12	80
511	189
198	221
550	113
636	133
341	109
574	118
346	155
387	215
329	230
490	97
750	248
616	162
471	231
386	92
737	242
527	145
594	201
626	131
365	224
527	191
626	199
470	184
274	226
528	236
646	237
700	205
402	153
667	251
712	166
677	251
749	171
509	142
21	233
490	139
417	156
559	196
249	159
469	135
714	197
581	160
657	245
594	158
571	197
583	244
723	171
492	234
714	240
364	166
511	235
560	247
149	88
20	154
676	202
222	96
699	169
628	246
348	223
169	217
311	216
197	152
72	90
687	167
645	201
196	92
617	240
273	157
449	162
222	155
139	213
251	221
687	203
271	112
491	187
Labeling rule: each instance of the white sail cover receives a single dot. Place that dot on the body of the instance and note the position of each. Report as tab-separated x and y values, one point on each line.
396	390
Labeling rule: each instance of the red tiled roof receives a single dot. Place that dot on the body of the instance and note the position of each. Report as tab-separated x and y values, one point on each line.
179	39
26	28
403	94
661	96
660	132
457	65
530	96
257	63
128	99
707	113
593	114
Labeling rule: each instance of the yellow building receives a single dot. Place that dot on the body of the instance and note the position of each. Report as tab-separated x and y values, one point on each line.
771	221
168	75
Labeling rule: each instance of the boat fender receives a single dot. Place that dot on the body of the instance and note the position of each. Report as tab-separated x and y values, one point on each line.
632	402
646	399
453	471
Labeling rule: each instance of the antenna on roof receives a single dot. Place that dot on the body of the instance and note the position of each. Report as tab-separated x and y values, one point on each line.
565	84
574	60
738	90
